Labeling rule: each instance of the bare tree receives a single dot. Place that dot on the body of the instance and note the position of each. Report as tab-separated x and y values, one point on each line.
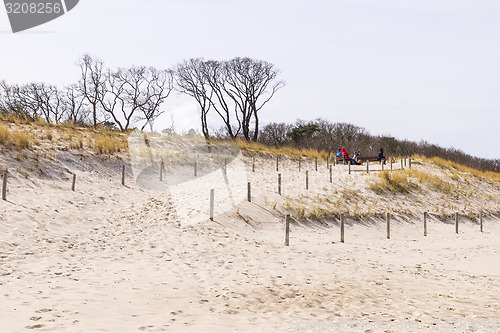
91	83
236	89
215	73
13	101
191	79
75	106
250	84
49	100
159	85
34	100
134	94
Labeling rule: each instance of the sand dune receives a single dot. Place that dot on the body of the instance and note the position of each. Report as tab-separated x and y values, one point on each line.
113	258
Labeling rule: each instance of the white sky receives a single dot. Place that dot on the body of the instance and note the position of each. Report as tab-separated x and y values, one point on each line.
414	69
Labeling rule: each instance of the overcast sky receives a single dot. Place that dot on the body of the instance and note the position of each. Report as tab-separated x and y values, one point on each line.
411	69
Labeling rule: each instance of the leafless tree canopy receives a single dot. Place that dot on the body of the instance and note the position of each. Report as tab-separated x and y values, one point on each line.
191	78
123	97
90	85
236	90
34	100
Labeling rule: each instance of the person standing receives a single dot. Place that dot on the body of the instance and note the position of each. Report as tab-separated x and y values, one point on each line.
381	157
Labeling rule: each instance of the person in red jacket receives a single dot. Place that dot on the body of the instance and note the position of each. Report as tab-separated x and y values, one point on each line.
346	157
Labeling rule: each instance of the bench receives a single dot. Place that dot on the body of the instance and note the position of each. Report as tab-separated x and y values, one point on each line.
360	159
372	158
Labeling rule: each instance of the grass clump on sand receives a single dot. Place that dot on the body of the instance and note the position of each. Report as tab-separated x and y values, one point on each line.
4	134
15	138
107	144
395	182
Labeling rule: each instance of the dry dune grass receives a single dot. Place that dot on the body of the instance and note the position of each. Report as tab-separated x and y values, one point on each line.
22	134
260	149
455	167
16	138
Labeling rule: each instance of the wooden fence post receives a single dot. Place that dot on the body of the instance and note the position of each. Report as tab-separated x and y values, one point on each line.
388	222
123	175
307	179
4	186
328	161
409	162
253	163
225	165
300	162
74	183
456	222
161	171
279	183
425	223
391	163
331	179
196	169
277	163
341	228
287	230
481	221
249	192
316	163
382	163
212	200
349	167
402	164
367	166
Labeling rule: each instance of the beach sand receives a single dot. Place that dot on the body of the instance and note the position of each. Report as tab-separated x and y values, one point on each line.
113	258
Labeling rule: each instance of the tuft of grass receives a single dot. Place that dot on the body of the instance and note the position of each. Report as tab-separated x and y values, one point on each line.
15	138
395	182
108	144
20	139
4	134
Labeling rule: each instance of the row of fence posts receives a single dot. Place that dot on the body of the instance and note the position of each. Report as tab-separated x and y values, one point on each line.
307	176
162	168
342	223
388	226
249	197
329	166
73	184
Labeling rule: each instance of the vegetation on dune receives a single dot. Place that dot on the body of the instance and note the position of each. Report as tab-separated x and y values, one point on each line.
323	135
394	182
15	138
454	166
28	133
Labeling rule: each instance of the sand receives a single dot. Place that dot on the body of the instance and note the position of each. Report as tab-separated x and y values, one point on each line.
113	258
